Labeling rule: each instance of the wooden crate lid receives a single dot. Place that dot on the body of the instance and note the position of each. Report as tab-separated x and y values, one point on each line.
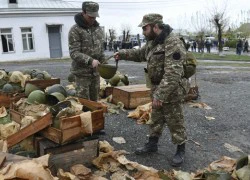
133	88
40	83
29	130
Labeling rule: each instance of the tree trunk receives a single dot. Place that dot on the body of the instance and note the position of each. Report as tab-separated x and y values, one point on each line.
220	38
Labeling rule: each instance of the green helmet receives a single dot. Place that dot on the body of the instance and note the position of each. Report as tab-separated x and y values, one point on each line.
56	88
3	74
107	71
8	88
71	77
71	92
46	75
39	76
114	80
34	73
54	98
125	80
120	84
29	88
17	86
2	83
26	71
36	97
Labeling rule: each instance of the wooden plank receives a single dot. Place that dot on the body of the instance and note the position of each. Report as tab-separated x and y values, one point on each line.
70	122
36	141
29	130
44	145
53	134
133	88
2	159
97	114
93	105
7	98
108	91
49	147
132	96
71	134
16	116
84	156
40	83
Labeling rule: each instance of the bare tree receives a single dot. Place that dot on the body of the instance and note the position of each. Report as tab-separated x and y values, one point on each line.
112	35
200	23
126	29
244	27
220	21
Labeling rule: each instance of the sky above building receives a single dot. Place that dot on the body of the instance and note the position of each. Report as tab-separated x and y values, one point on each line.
121	14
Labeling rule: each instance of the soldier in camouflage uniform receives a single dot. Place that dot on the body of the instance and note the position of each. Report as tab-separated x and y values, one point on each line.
86	51
164	54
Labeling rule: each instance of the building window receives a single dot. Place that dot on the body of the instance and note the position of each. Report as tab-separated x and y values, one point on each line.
27	38
7	40
12	1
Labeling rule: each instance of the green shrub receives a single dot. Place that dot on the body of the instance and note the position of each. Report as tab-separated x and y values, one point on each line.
231	43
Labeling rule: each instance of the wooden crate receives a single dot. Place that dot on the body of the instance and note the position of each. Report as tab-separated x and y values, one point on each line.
42	84
108	91
131	96
7	98
64	157
70	127
45	146
29	130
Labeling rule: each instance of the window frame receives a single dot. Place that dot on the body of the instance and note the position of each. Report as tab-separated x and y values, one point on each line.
27	39
7	40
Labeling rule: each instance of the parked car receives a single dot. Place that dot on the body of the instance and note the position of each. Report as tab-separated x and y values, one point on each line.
225	48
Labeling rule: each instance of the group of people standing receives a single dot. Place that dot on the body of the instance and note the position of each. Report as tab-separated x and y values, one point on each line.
242	46
201	45
165	55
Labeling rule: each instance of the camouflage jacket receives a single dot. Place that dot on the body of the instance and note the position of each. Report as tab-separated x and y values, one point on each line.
85	45
165	56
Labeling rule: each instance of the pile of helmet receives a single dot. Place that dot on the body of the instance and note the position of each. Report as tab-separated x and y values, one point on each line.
119	80
53	99
51	96
14	81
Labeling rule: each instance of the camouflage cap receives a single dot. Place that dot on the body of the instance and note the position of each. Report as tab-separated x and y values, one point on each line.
91	8
151	19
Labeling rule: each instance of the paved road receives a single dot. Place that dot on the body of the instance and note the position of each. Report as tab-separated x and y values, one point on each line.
225	90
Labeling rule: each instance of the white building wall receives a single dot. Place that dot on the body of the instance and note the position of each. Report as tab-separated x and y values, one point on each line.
40	35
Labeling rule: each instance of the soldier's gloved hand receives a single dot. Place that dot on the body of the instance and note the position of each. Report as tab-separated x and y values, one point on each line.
95	63
117	56
156	103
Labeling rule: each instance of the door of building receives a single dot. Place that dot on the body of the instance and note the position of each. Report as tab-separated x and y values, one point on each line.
55	45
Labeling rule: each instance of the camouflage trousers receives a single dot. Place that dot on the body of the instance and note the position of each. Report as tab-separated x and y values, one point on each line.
88	87
170	114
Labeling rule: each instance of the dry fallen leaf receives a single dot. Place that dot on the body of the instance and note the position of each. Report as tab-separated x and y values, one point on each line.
232	148
225	164
119	140
209	118
3	112
199	105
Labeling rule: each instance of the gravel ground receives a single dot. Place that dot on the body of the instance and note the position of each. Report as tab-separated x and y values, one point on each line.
225	89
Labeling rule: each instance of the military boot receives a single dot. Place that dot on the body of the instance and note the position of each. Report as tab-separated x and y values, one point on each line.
178	158
150	146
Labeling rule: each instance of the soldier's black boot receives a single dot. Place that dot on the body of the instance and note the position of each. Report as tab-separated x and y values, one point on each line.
150	146
178	158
